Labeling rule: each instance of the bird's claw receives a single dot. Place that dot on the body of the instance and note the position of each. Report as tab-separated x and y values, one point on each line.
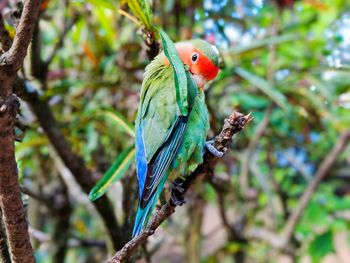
177	192
209	145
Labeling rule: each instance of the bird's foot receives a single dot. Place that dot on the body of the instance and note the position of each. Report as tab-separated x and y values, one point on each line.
209	146
177	192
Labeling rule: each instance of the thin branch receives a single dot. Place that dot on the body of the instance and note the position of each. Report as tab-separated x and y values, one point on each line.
73	242
281	241
235	123
260	130
321	173
12	60
46	200
149	35
130	17
72	161
265	235
61	37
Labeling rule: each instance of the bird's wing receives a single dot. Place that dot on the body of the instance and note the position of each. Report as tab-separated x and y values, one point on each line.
160	130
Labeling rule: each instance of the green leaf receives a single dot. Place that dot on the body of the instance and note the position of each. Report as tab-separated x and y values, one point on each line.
264	86
321	246
118	118
142	10
114	173
179	72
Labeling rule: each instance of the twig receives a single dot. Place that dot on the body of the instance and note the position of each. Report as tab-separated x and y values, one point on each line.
61	37
260	130
321	173
235	123
46	200
73	161
130	17
73	242
281	241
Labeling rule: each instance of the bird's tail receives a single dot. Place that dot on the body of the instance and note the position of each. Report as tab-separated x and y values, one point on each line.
143	215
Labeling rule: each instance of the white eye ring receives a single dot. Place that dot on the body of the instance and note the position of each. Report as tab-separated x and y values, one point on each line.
194	57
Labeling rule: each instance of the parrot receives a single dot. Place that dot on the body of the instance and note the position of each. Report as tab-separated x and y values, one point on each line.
167	143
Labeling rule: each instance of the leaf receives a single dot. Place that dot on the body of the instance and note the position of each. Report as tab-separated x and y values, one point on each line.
114	173
142	10
321	246
119	119
264	86
179	72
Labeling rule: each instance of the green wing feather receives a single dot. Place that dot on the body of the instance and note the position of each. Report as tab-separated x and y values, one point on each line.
163	127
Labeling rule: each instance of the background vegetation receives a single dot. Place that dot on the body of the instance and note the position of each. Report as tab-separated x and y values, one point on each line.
285	62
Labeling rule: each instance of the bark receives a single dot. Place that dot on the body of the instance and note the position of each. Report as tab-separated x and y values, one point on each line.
13	212
14	217
4	250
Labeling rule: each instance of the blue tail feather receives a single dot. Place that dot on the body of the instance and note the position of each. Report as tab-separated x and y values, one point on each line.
143	215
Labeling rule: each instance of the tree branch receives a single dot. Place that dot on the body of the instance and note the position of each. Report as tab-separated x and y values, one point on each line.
248	155
13	213
321	173
235	123
281	241
72	242
61	37
44	199
12	60
72	160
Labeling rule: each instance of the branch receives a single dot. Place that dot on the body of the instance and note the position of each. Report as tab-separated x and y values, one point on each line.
13	212
149	36
248	155
12	60
72	160
44	199
235	123
321	173
281	241
73	242
61	38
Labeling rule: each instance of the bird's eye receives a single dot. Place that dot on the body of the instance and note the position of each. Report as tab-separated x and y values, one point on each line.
194	57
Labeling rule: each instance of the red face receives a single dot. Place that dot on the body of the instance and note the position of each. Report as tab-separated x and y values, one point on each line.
201	67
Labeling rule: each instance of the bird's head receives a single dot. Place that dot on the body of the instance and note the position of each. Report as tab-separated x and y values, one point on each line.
201	58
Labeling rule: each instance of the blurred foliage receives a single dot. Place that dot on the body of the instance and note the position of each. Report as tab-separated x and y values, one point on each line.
287	63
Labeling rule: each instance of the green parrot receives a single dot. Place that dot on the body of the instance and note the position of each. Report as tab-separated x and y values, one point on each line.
167	143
